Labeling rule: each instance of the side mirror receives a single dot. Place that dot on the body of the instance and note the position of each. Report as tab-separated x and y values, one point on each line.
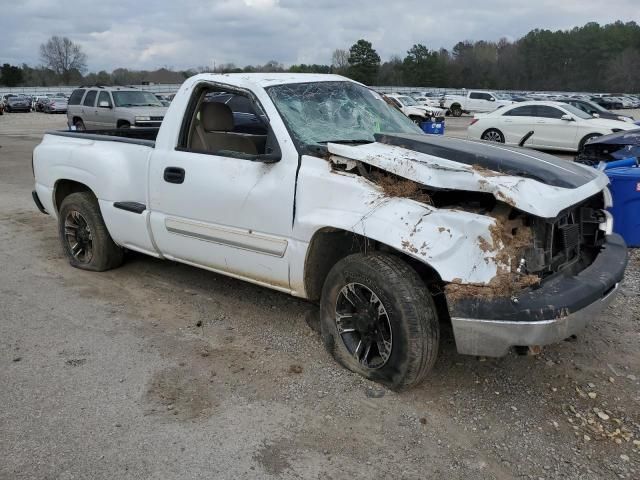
492	99
104	104
567	118
596	115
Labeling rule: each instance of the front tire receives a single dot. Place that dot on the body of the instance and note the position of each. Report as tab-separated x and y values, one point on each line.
378	319
456	110
79	124
84	236
493	135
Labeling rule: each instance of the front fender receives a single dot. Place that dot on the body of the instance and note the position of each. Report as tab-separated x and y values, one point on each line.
447	240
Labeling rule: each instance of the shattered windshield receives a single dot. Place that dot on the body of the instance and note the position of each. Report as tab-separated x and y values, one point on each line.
321	112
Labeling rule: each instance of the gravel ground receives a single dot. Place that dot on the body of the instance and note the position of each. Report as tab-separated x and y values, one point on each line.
158	370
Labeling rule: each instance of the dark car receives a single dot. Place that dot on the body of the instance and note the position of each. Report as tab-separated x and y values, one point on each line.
594	109
607	148
42	103
18	104
608	103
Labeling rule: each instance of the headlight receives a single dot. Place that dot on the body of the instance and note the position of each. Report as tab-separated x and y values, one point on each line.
142	119
626	119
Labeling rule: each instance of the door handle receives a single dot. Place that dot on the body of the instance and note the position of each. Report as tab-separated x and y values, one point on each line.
174	175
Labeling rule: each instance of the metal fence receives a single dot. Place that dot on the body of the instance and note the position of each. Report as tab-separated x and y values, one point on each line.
35	91
172	88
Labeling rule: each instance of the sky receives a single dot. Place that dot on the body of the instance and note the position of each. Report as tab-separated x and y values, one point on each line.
181	34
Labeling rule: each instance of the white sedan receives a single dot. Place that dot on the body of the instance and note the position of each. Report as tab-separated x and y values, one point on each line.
555	126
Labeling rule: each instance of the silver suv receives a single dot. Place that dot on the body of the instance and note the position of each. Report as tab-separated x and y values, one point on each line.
96	108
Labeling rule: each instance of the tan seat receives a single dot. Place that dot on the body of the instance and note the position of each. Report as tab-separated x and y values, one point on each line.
214	131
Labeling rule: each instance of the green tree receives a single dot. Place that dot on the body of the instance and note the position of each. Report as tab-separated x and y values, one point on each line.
423	67
10	75
364	62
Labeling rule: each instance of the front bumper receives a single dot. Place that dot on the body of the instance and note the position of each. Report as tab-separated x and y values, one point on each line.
561	307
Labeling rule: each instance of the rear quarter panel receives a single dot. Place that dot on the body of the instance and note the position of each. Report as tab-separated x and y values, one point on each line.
113	171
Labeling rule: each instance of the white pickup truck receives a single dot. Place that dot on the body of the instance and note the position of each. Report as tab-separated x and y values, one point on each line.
475	101
312	185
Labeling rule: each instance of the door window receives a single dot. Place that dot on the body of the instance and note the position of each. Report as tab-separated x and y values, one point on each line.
76	96
526	111
90	99
227	124
105	97
545	111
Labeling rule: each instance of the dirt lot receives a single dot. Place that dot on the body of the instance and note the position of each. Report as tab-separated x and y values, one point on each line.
158	371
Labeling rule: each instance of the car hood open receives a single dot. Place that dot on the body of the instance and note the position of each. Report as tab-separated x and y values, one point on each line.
531	181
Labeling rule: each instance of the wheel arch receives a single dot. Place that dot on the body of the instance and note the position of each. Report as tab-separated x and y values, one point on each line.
585	138
494	129
65	187
330	245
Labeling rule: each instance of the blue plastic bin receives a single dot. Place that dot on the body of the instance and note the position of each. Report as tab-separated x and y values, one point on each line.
434	128
625	189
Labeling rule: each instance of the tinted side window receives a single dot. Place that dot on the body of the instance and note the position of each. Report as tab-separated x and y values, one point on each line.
526	111
76	96
475	95
105	97
548	112
90	99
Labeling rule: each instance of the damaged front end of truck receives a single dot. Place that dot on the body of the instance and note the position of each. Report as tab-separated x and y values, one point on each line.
521	240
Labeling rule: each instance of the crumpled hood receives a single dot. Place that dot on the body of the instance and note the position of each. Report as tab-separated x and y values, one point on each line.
533	182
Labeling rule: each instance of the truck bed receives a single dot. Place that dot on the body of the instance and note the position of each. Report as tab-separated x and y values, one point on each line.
136	136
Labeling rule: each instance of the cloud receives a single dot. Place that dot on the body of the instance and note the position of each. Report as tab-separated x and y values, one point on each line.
147	35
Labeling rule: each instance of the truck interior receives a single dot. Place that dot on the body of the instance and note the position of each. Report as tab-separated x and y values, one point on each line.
227	123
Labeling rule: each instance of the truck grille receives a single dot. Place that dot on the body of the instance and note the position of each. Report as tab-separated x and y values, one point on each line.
569	236
570	240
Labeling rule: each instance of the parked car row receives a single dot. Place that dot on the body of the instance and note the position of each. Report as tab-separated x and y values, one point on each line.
50	103
482	101
551	125
417	111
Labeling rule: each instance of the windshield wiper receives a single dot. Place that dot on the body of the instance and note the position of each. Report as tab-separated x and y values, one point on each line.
347	142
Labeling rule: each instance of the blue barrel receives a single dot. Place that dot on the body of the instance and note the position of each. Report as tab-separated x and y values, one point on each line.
434	128
625	189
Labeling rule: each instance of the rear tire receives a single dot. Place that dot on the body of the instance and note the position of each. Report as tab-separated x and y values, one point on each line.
84	236
79	124
493	135
586	139
378	319
456	110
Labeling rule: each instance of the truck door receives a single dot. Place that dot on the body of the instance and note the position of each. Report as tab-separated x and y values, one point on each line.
474	102
88	110
217	200
103	116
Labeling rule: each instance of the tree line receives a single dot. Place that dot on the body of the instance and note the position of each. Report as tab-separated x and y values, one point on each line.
592	57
